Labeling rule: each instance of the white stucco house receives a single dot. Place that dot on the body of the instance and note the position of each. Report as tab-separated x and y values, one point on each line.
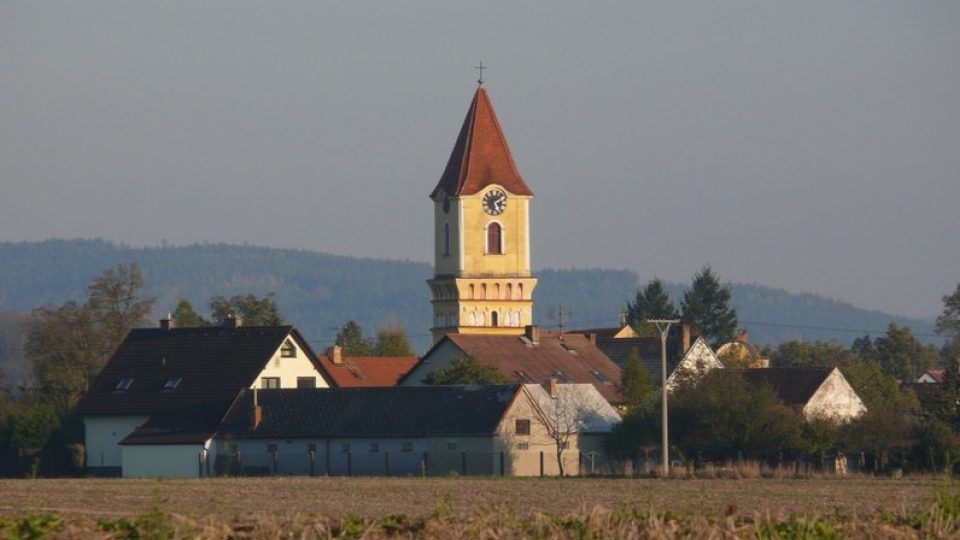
154	408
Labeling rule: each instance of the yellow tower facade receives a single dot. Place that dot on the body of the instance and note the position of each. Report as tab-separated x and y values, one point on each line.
482	282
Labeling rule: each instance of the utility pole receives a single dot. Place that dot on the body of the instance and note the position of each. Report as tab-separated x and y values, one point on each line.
663	325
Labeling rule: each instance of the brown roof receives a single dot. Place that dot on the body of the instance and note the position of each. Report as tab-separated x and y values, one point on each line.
794	386
573	360
365	371
480	156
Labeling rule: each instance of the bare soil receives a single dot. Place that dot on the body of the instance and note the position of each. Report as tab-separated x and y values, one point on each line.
229	498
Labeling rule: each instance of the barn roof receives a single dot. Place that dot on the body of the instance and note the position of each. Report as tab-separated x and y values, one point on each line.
399	411
794	386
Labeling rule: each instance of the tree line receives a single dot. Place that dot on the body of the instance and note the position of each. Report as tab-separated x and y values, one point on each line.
720	418
67	345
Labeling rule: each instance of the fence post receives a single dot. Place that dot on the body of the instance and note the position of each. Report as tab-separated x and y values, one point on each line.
313	461
541	463
276	460
425	464
386	463
501	463
463	463
239	462
326	458
200	464
349	463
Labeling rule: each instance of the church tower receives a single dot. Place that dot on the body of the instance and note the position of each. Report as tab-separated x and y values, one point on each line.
482	282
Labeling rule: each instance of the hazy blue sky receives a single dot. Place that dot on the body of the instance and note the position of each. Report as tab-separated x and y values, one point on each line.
813	146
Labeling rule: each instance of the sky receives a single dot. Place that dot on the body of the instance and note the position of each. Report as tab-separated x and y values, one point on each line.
812	146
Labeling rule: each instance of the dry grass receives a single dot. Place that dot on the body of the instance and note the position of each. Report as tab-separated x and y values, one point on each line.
378	497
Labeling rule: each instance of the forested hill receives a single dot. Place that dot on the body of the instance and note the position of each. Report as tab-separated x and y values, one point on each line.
318	292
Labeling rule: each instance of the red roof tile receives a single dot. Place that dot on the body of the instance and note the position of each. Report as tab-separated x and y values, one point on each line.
365	371
576	359
480	156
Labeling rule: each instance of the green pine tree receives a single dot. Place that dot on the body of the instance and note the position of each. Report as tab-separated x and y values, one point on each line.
652	302
706	308
636	388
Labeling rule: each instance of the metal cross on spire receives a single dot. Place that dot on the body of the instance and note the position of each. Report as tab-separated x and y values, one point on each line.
480	68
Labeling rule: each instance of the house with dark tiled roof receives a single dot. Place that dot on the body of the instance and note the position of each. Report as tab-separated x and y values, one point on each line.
363	371
165	390
686	354
413	430
818	392
534	357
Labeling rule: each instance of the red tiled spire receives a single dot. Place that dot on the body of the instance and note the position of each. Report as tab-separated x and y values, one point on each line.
481	156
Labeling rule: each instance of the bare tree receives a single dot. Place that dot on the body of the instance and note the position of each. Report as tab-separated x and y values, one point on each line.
565	411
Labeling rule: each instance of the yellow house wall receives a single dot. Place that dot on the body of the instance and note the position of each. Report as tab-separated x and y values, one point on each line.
522	461
289	368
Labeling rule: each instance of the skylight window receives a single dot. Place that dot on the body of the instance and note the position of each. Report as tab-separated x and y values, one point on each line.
563	377
523	376
601	377
172	383
123	384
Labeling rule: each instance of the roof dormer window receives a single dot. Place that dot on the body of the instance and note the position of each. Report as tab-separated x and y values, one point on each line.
172	383
289	350
123	384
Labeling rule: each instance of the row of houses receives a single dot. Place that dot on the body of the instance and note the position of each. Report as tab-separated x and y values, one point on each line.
258	400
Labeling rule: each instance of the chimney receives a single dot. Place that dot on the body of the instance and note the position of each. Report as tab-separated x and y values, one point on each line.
167	324
232	321
623	318
257	415
593	338
742	336
335	354
554	387
685	339
532	332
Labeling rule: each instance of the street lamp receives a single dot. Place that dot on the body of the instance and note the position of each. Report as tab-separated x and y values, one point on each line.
663	325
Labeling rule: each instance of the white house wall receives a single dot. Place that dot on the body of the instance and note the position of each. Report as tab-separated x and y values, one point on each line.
289	368
161	461
102	435
835	399
699	360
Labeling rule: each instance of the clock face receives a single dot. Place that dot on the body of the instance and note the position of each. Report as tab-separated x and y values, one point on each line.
495	202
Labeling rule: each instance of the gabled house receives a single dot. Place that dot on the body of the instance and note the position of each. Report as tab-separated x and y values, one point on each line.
932	376
431	430
166	389
534	357
364	371
686	354
818	392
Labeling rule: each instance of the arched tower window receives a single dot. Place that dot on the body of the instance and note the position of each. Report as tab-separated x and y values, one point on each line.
483	291
509	291
520	290
446	238
496	291
494	239
471	292
494	318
